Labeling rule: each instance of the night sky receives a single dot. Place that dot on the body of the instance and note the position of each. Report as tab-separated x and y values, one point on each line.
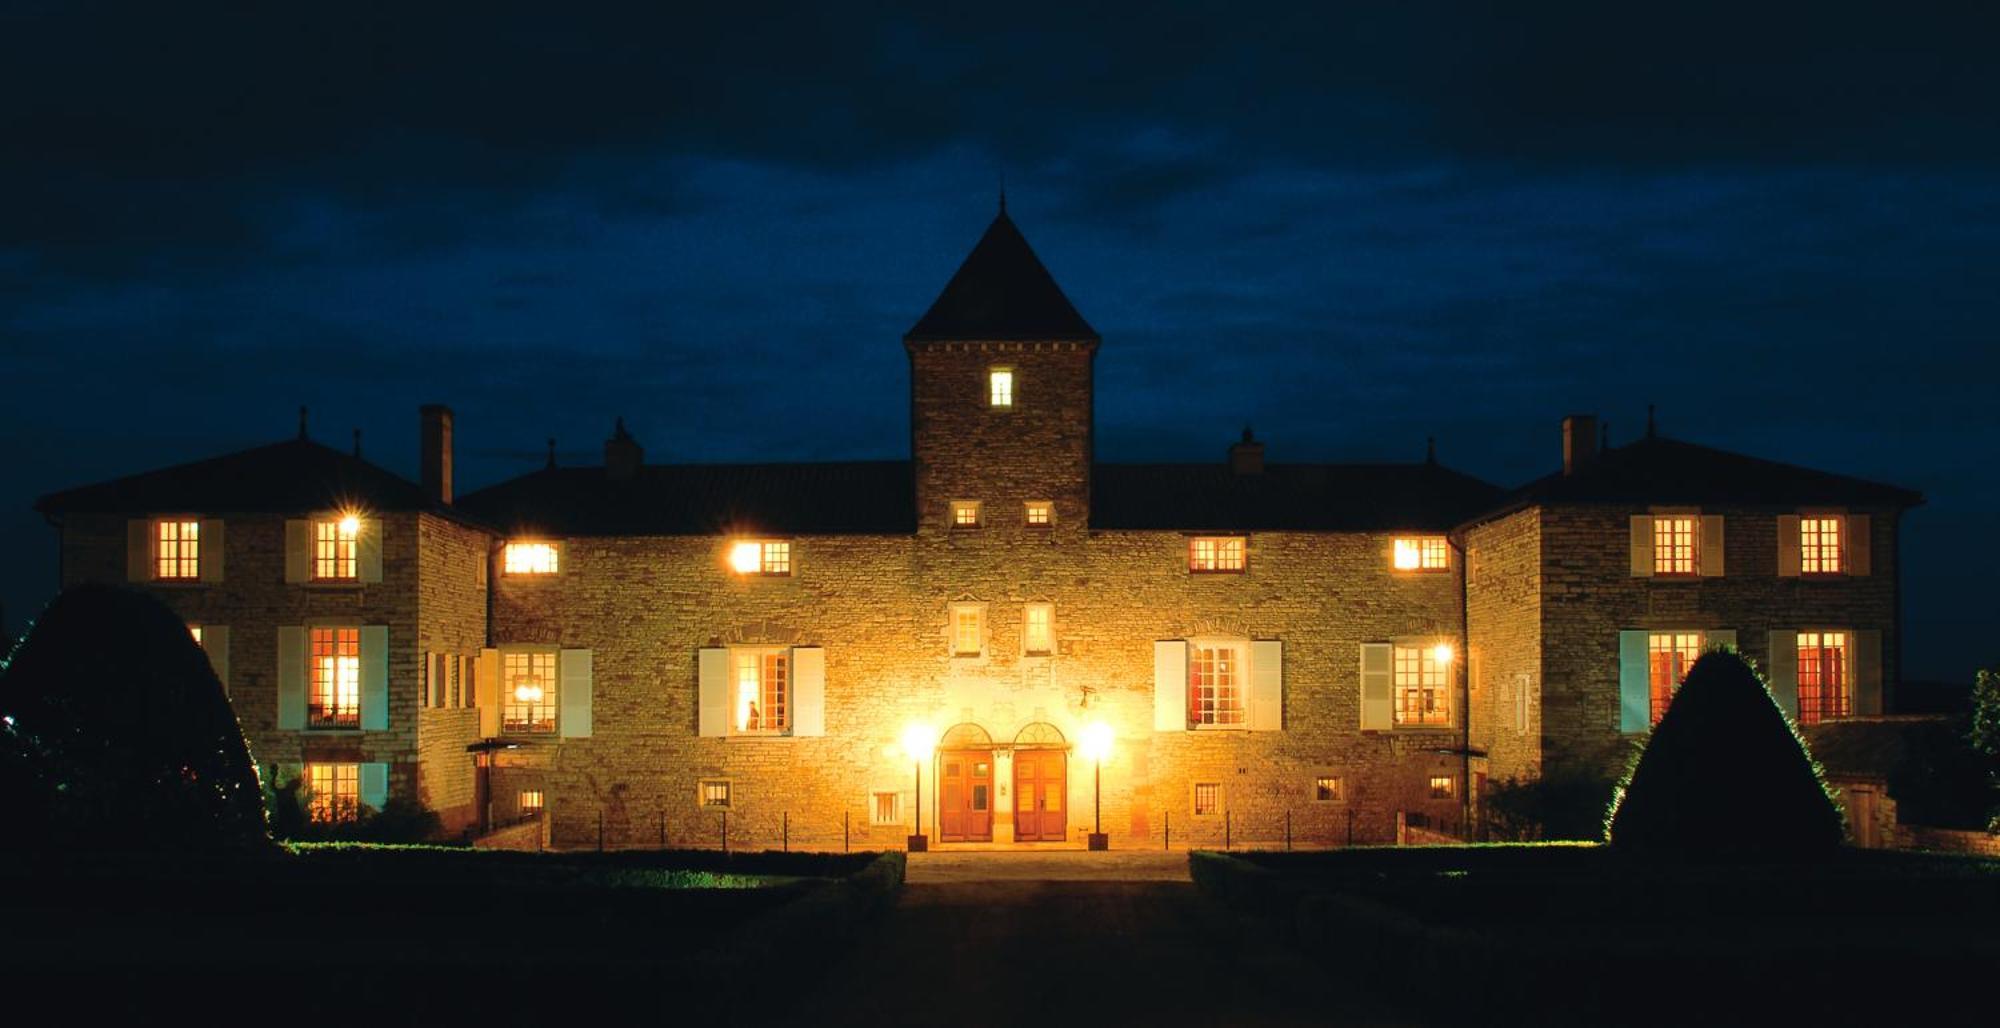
1352	230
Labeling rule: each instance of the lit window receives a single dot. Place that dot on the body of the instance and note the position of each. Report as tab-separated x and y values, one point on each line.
1038	628
713	793
761	557
528	691
1207	798
1423	553
1420	686
1820	550
337	549
195	630
1673	545
335	701
176	550
1215	685
762	693
885	808
1000	387
968	629
531	802
1823	678
1326	789
1041	513
333	793
1441	787
965	513
529	559
1215	553
1671	654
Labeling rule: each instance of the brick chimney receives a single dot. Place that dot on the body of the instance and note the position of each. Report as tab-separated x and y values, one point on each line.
1246	456
622	455
434	451
1579	442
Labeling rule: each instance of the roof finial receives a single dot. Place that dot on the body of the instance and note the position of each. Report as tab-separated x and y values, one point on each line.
1430	449
357	442
302	421
552	453
1652	430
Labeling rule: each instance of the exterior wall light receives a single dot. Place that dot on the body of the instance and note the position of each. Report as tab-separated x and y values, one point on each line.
1095	744
745	558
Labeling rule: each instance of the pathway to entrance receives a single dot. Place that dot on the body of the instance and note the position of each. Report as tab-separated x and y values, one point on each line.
1068	937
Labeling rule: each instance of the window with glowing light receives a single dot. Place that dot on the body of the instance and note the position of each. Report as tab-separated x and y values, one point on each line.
1326	789
195	630
885	808
1441	787
1820	545
1038	636
336	549
1670	654
1421	696
1422	553
762	683
1674	538
177	550
1041	514
968	629
1000	387
528	691
761	557
1215	685
1824	689
334	698
965	513
1207	798
529	559
333	793
531	802
712	793
1213	554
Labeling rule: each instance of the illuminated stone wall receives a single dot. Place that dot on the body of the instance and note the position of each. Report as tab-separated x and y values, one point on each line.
1503	610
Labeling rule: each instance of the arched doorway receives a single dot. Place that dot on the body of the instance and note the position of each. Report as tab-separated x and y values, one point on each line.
1041	784
965	785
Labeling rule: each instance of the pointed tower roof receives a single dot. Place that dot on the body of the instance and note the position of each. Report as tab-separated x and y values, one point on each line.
1002	292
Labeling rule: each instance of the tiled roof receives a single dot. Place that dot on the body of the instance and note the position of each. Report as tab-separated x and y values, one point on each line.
293	476
846	498
1002	292
1305	497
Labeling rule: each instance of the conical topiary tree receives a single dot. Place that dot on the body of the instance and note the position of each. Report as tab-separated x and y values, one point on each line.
1724	772
118	735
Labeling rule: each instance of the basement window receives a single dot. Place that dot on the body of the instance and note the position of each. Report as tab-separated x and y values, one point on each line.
1207	798
885	808
1326	789
713	793
1441	787
531	802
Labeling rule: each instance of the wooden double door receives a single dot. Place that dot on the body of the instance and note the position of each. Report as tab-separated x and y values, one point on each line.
965	796
1041	791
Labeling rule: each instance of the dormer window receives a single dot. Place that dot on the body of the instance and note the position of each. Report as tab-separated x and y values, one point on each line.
1000	387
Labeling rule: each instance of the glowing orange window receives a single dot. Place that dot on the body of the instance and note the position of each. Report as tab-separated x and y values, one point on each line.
1824	690
1211	554
1674	545
1215	685
1420	687
1669	654
176	550
333	792
335	699
1820	546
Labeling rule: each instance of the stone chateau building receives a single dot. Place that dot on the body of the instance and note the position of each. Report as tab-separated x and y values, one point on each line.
1000	640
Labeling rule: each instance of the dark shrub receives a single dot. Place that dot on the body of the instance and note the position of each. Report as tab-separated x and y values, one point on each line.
1725	772
1567	805
118	734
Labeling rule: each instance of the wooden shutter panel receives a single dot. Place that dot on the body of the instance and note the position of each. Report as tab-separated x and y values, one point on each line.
1710	551
1788	546
1782	671
573	693
808	691
291	677
1378	686
1868	672
215	643
374	678
1860	545
208	555
1642	546
138	551
712	692
298	549
1635	682
1267	685
374	785
1170	685
368	550
486	691
1719	638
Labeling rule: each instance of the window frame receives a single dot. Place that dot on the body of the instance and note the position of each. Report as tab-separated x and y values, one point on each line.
1443	787
762	656
351	545
952	637
535	810
1028	648
702	787
1666	557
958	524
776	557
1218	799
1426	663
1421	547
555	561
337	721
1215	564
1676	649
1239	687
190	565
875	797
998	399
552	699
1329	788
1816	554
336	808
1048	510
1843	668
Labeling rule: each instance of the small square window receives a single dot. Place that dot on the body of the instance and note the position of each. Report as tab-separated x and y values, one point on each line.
1422	553
713	793
1441	787
885	808
529	559
1041	514
1207	798
531	802
1326	789
177	550
1215	554
1000	387
965	513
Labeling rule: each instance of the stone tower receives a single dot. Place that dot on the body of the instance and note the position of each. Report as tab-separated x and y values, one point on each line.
1000	395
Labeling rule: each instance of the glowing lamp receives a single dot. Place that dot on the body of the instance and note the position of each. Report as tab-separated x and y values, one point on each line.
745	558
1096	742
918	741
1441	653
350	526
528	692
1408	558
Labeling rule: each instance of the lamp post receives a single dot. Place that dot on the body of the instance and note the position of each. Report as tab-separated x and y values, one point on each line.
917	743
1096	747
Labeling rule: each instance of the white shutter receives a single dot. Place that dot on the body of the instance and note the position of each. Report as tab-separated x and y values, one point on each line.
1635	682
215	643
298	549
208	553
368	549
712	692
1868	672
1378	686
291	677
1710	552
1782	671
573	693
1267	685
486	691
1788	546
1642	546
374	785
1170	684
1860	545
374	678
808	691
138	551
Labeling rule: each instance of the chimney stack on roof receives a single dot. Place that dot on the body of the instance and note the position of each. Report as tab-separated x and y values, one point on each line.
622	455
434	451
1580	442
1246	457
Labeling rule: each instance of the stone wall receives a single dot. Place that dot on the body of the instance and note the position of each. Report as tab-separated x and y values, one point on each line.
1037	449
451	619
1503	614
